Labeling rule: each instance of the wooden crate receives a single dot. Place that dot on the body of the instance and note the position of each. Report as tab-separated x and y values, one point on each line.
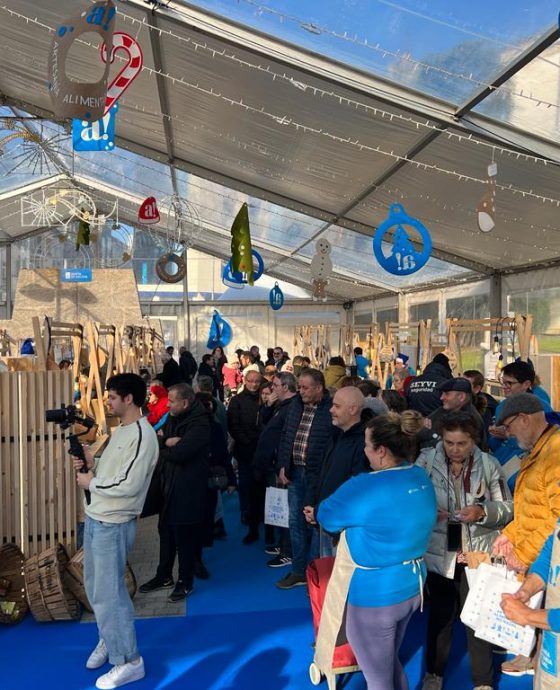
37	481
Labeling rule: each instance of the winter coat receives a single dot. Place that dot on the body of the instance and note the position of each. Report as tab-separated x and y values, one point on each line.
319	436
430	437
232	376
488	488
267	448
243	424
334	374
219	453
537	497
187	365
422	394
171	374
185	466
344	458
157	410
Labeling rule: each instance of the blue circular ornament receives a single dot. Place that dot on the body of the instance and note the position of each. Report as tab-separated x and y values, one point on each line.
276	297
237	279
404	258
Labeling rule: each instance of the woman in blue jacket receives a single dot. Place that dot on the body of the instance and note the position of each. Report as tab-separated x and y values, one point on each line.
386	519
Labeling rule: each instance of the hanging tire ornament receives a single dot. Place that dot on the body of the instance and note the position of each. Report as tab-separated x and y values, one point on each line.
403	258
162	268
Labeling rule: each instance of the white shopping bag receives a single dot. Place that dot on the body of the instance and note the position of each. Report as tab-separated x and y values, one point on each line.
276	511
477	579
494	627
482	611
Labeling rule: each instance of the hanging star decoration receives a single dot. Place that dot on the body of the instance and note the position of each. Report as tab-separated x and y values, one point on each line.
35	154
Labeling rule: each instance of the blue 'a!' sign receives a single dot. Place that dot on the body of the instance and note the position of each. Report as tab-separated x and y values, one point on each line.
95	136
76	275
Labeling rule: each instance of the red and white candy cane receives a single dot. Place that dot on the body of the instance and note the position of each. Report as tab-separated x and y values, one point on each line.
129	72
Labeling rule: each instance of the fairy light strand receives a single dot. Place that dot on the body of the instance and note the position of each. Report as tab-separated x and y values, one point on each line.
317	91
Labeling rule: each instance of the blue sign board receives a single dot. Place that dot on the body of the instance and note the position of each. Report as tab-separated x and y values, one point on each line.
76	275
95	136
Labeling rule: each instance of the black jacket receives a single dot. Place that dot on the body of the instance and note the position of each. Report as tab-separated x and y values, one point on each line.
187	365
344	458
269	440
219	453
429	438
206	370
422	394
185	466
321	433
171	373
243	424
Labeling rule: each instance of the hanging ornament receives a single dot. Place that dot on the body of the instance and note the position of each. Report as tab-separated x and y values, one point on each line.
237	279
148	213
220	333
122	43
321	268
95	136
403	258
486	208
171	268
241	249
83	235
70	98
276	297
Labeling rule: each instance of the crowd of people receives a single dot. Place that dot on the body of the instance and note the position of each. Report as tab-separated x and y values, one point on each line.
400	484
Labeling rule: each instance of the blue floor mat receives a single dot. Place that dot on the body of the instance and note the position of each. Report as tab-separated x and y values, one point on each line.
240	633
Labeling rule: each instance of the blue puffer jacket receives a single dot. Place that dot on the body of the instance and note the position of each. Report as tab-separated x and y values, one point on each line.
321	433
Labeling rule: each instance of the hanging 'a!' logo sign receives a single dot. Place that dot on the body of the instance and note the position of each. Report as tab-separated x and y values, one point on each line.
148	213
403	257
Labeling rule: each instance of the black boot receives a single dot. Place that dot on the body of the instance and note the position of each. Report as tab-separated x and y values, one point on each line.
251	536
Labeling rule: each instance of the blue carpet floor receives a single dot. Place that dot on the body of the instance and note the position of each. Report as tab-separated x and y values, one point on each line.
240	633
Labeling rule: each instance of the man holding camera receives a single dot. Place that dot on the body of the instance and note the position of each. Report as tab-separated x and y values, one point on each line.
118	482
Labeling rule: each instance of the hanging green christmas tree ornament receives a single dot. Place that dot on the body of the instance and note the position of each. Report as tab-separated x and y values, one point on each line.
83	234
241	249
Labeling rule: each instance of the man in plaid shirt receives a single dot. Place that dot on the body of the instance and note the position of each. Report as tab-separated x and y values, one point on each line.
305	436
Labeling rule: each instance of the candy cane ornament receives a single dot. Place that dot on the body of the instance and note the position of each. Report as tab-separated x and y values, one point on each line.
123	42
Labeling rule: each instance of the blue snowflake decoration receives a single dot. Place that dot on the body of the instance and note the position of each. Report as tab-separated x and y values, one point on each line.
403	258
276	297
237	279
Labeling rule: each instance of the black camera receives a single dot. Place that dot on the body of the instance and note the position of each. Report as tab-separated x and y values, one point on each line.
65	416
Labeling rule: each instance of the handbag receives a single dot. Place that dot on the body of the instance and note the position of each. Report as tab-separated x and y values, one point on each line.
218	478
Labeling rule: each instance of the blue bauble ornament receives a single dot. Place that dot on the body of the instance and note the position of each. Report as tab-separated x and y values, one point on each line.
276	297
238	280
404	258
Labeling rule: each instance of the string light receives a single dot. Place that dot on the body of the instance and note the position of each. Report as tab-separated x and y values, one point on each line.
315	90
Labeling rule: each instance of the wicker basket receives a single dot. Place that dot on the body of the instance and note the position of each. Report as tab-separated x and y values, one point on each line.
13	602
75	579
48	595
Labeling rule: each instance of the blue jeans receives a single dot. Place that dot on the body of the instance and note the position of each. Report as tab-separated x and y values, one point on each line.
106	546
300	531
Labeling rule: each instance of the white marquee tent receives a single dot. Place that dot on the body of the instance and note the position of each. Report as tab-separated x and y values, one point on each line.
320	115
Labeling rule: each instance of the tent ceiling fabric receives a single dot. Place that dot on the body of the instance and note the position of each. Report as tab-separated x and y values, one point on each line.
317	147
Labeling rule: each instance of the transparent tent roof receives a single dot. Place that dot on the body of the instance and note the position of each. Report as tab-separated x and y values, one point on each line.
446	49
319	116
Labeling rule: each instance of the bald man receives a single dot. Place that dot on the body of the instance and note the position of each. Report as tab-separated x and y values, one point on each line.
344	456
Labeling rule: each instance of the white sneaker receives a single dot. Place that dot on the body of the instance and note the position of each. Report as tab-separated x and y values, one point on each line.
98	657
121	675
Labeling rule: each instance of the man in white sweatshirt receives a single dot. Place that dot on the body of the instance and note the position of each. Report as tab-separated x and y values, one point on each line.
118	482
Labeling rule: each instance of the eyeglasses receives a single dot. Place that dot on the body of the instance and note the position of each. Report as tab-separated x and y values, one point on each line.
507	426
508	384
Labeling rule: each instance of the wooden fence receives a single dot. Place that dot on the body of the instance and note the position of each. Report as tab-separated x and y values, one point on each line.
37	480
